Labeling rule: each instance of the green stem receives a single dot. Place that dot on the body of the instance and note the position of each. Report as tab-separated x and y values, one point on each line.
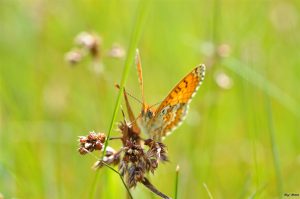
140	21
274	147
207	190
128	191
176	182
136	34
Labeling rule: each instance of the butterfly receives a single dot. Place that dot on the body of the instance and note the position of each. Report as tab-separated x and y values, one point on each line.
172	110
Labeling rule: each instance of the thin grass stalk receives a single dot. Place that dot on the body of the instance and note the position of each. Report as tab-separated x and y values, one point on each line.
274	147
114	170
208	192
176	182
249	101
94	183
140	21
258	192
8	101
136	34
213	111
216	21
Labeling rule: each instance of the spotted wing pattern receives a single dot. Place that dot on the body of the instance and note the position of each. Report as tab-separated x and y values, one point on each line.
173	109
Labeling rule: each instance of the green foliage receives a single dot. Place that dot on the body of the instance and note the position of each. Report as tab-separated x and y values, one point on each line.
240	139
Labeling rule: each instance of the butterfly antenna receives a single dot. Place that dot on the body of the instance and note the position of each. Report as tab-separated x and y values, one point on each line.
135	120
155	104
136	99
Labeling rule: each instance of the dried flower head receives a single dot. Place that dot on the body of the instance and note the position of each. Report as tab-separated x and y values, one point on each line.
137	161
128	133
116	51
89	41
224	50
73	57
93	141
85	44
223	80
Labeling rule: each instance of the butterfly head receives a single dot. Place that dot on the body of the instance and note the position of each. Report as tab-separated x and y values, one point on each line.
147	113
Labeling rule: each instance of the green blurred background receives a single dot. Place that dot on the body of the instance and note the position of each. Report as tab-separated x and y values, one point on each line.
241	138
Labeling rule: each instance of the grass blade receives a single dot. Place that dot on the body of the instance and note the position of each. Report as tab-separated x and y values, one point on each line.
274	147
176	182
136	34
207	190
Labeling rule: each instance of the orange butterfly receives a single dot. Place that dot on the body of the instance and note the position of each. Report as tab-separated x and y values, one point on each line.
173	109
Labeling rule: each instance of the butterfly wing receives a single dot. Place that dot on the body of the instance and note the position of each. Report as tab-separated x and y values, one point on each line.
173	109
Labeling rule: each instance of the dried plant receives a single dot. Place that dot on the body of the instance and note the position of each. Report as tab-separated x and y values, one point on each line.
85	44
90	44
135	159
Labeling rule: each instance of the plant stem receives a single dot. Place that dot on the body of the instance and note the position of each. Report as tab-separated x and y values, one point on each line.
207	190
176	182
128	191
274	147
140	21
152	188
136	34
